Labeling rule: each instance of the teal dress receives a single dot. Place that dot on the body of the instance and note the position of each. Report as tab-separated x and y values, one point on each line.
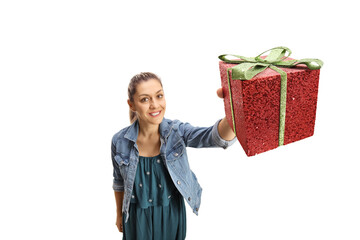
157	209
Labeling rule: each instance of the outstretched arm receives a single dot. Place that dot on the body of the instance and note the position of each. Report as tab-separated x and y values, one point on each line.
218	135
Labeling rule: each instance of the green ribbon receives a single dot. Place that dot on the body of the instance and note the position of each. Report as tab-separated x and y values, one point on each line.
249	67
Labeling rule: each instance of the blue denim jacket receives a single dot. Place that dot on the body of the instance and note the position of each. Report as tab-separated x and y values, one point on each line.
175	136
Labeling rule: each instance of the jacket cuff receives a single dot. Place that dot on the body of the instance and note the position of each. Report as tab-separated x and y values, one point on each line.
218	140
117	186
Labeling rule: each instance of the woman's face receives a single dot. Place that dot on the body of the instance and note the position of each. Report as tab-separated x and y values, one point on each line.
149	102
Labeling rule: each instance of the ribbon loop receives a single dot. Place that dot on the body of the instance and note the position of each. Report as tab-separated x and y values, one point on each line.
276	54
249	67
239	59
311	63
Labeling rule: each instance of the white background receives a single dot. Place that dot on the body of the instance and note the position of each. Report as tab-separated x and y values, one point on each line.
64	70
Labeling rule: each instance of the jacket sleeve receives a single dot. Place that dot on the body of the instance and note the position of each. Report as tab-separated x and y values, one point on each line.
118	181
199	137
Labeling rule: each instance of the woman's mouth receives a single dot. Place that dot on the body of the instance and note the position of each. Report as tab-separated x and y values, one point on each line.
155	114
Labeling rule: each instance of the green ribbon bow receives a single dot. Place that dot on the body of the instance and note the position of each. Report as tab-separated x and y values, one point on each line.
248	67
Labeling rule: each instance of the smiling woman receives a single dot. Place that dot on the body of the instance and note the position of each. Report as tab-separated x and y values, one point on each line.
148	102
152	176
143	94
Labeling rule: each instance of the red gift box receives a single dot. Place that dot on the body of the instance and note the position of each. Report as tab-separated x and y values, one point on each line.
256	106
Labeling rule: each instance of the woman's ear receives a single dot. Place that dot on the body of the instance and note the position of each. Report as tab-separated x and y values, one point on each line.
131	105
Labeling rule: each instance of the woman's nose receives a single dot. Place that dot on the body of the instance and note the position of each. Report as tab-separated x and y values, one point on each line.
153	103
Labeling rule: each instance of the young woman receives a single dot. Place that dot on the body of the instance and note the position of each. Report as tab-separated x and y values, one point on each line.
151	170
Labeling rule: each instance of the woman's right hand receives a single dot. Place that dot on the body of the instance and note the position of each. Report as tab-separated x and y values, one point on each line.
119	222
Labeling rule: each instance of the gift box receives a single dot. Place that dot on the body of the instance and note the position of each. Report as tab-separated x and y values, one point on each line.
270	100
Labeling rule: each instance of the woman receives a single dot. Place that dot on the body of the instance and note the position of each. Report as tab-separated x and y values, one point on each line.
151	170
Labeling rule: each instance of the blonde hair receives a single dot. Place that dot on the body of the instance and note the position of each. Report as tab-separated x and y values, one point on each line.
135	80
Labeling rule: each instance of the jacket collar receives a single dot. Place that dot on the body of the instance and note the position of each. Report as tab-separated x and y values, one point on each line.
133	130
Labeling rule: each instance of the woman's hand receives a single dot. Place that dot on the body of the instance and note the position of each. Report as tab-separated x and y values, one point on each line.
119	222
225	131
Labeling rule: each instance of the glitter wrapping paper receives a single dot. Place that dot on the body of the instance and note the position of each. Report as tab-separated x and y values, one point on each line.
256	105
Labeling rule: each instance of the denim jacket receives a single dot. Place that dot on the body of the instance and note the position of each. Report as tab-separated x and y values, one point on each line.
175	136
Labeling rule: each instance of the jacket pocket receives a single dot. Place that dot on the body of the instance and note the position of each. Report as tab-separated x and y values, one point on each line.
123	162
177	162
176	152
121	159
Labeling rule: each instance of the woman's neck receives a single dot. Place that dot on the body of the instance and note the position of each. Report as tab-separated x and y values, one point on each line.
148	130
148	140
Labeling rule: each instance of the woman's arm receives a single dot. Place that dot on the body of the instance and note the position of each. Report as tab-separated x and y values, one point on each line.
118	186
218	135
119	196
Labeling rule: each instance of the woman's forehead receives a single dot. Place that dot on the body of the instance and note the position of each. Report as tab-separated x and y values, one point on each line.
149	87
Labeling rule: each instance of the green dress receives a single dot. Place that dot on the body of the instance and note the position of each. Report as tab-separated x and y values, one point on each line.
157	209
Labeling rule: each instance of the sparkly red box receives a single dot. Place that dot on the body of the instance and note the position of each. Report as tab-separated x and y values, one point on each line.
256	106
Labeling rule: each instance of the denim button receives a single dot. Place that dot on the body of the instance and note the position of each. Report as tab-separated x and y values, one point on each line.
140	185
176	154
178	182
169	196
147	173
158	161
159	185
132	196
189	199
150	200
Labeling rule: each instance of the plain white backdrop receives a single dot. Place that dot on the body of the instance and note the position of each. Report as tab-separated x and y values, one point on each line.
64	70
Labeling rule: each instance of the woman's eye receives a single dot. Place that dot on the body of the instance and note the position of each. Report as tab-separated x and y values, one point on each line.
144	99
160	96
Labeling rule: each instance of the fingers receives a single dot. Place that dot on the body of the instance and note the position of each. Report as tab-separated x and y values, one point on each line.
220	93
119	224
120	227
